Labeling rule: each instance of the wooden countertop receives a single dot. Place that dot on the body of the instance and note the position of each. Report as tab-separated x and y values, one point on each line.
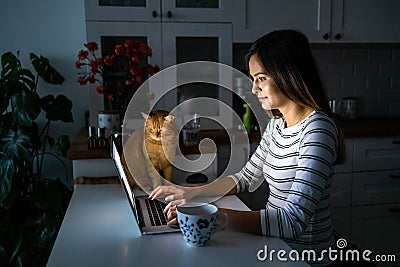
363	127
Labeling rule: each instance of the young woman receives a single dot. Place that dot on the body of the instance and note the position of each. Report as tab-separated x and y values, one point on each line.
297	153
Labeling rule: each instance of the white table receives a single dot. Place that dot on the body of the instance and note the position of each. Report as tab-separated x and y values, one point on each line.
99	230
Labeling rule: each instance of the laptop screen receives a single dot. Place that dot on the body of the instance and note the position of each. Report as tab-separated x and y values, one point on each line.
124	179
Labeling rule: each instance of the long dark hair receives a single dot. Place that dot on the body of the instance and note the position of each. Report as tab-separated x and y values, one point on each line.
287	59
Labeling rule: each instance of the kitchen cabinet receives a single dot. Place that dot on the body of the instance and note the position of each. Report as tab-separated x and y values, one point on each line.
231	159
323	21
159	10
366	194
172	41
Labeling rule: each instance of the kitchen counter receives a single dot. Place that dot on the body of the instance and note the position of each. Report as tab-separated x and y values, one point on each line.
358	128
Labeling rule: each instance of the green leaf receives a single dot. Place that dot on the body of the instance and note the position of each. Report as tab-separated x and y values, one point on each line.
26	106
62	145
58	108
10	64
7	171
45	70
4	102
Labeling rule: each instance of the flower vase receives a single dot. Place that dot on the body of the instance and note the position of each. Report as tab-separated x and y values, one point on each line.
110	120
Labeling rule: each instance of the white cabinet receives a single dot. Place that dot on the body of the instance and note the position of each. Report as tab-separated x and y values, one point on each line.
254	18
183	37
365	194
368	21
323	21
375	214
377	228
159	10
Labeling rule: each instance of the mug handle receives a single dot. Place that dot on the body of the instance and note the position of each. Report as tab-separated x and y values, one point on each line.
222	227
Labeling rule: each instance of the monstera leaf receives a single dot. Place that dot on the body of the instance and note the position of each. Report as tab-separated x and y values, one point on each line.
58	108
45	70
26	106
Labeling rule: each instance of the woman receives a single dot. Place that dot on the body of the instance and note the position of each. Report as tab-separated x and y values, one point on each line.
297	153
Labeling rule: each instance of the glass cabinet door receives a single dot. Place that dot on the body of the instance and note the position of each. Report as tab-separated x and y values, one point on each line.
197	10
123	10
190	42
107	35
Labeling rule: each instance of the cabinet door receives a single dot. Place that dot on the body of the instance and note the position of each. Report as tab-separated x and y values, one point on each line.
341	190
376	153
348	165
254	18
376	187
341	221
190	42
365	21
123	10
376	228
197	11
107	34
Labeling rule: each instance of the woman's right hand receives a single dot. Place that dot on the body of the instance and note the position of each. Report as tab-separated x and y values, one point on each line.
175	195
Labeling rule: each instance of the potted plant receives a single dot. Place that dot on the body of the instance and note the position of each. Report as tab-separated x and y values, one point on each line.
118	75
32	206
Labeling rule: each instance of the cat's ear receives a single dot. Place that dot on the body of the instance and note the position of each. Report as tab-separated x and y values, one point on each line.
145	116
169	118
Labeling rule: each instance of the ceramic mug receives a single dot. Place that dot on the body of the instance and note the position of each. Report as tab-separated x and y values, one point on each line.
197	222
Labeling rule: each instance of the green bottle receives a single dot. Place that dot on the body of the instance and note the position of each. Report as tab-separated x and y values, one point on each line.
247	118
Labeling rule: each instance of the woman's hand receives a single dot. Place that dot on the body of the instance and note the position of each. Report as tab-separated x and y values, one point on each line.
175	195
170	212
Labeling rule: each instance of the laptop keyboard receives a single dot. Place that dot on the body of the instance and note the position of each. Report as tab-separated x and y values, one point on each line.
155	208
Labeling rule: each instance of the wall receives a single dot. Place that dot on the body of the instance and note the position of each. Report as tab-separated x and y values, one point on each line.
56	30
370	72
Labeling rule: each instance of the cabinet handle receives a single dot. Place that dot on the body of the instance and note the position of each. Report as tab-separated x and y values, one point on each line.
169	14
325	36
338	36
154	13
396	142
397	209
395	176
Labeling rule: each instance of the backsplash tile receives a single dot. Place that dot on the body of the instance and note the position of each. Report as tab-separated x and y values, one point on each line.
370	72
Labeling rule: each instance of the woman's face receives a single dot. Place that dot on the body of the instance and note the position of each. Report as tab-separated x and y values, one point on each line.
263	86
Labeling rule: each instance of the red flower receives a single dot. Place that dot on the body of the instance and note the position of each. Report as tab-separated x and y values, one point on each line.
139	78
91	78
119	49
134	70
109	60
94	65
145	49
82	55
126	62
129	43
92	46
81	80
136	57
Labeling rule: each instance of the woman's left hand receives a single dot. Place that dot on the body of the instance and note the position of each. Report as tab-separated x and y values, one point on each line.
170	212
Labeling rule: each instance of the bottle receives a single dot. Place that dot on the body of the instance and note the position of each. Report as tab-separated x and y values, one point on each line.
247	118
101	139
92	138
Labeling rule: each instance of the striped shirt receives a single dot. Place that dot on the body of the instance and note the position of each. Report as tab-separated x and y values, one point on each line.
297	162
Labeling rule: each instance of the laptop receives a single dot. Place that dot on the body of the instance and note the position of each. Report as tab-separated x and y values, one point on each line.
148	213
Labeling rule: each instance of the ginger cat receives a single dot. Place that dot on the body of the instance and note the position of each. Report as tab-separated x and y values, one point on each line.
149	151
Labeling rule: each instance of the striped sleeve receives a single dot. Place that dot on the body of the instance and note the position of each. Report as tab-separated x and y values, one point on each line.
252	172
317	154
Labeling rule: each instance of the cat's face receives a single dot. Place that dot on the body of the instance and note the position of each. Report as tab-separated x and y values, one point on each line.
158	124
